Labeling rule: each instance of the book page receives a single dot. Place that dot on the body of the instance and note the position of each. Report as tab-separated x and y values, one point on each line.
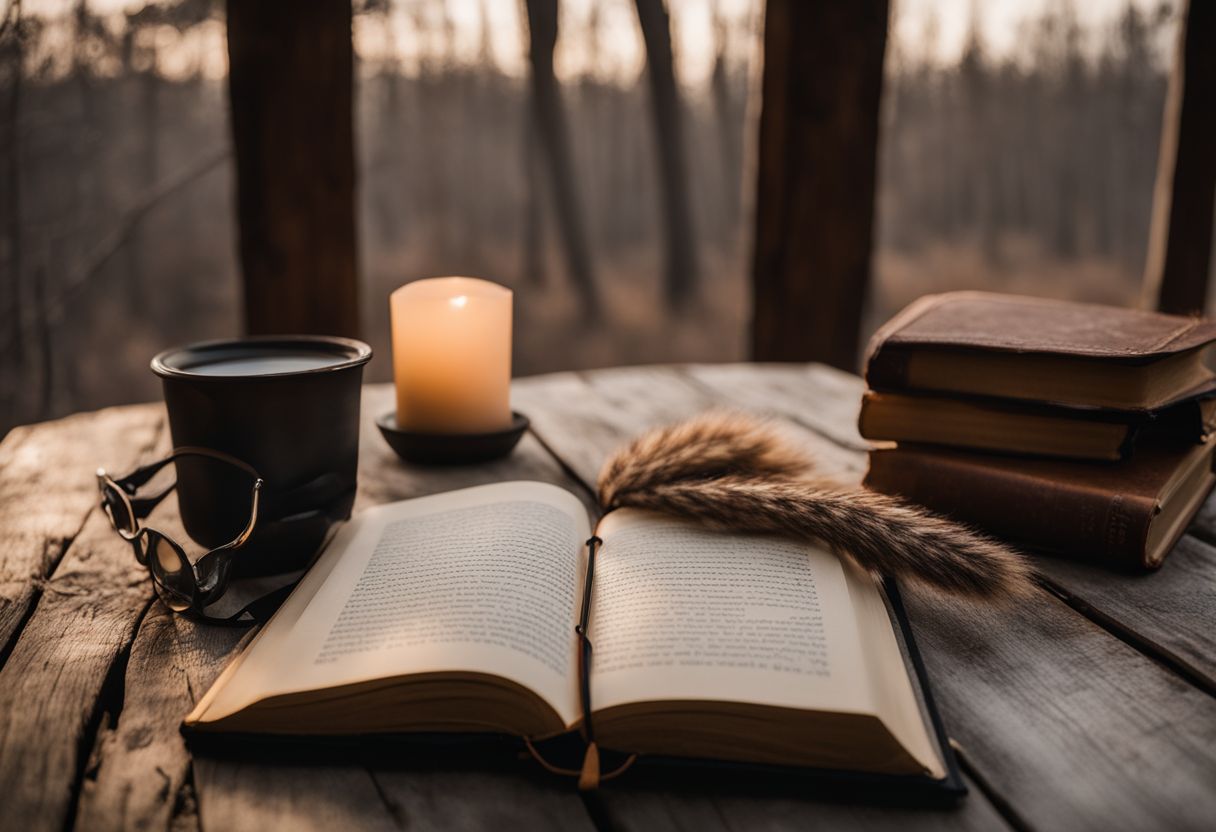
680	612
482	580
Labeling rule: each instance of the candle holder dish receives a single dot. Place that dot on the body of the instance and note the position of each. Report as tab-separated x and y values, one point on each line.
451	448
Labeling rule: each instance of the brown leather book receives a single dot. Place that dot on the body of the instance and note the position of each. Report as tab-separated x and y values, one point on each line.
1028	428
1072	354
1128	514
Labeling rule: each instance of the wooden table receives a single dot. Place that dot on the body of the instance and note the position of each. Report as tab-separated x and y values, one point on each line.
1090	707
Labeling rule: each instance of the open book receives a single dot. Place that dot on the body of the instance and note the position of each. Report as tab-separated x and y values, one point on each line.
457	612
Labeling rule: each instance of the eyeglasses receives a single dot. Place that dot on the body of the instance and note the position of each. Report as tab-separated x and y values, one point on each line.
183	585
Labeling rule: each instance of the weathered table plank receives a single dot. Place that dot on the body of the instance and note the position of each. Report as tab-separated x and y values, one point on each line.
1074	728
657	811
1066	724
820	398
1166	613
140	771
260	796
1169	613
592	415
270	794
48	488
1051	708
492	800
53	686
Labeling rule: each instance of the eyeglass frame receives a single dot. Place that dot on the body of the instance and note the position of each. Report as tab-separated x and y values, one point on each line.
208	571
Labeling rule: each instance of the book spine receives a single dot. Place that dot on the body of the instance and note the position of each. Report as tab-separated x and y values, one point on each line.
1040	513
887	366
863	416
887	369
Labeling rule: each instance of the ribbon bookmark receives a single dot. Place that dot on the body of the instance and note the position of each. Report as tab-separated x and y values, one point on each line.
589	776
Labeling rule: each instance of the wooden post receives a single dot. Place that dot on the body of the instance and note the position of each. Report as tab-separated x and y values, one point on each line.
290	83
817	159
1180	239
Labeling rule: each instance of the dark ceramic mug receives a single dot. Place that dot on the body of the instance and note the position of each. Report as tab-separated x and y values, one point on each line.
289	407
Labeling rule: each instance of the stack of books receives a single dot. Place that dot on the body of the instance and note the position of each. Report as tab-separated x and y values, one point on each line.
1075	429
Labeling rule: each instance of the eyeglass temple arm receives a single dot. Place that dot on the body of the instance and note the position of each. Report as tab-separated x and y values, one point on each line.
195	450
141	475
142	506
209	569
207	561
253	515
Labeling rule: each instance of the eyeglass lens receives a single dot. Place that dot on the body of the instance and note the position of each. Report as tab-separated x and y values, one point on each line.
217	491
171	572
116	508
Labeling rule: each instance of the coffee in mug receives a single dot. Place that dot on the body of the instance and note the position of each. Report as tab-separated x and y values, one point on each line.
289	407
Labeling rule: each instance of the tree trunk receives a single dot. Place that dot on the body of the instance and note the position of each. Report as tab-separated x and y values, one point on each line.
551	130
682	276
729	136
12	356
534	237
149	167
1180	240
817	159
290	84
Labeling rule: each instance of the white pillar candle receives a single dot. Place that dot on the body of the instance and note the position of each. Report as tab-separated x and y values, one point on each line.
452	355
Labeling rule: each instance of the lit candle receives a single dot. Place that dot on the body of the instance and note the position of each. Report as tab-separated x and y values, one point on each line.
452	355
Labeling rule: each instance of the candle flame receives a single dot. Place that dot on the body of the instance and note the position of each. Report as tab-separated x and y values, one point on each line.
459	301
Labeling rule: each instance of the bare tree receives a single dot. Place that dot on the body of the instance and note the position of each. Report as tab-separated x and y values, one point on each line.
534	230
12	56
730	136
681	271
551	130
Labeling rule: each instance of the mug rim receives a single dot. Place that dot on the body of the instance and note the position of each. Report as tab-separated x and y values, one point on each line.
358	353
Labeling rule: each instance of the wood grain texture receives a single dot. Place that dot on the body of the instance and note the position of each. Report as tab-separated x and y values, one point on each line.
1072	726
1167	612
830	399
141	775
52	686
276	793
263	797
1172	611
1075	729
828	406
581	418
472	799
141	767
47	486
384	478
660	811
583	414
1067	725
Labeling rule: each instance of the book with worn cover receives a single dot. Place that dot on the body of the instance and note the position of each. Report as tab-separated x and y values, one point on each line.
1127	515
1027	428
457	613
1074	354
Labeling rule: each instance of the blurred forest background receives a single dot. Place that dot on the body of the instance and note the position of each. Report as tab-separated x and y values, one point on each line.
1023	166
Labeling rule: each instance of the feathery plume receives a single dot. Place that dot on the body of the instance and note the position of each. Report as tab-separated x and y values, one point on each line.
736	474
714	444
